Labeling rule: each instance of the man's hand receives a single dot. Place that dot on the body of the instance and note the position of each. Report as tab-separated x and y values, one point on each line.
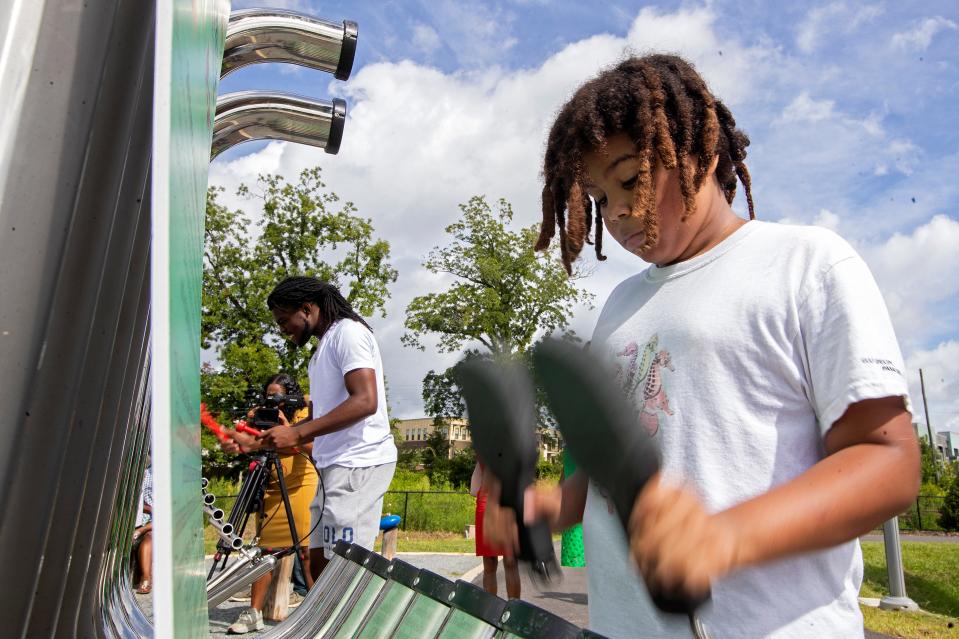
282	436
678	546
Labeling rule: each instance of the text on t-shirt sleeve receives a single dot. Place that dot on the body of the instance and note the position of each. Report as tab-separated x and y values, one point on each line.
850	347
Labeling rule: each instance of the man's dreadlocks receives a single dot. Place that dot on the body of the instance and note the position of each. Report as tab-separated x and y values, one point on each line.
293	292
665	108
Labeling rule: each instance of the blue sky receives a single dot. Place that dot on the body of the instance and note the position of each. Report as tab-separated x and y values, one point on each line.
850	109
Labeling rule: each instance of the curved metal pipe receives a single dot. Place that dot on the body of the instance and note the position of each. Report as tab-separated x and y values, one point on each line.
275	35
248	572
264	115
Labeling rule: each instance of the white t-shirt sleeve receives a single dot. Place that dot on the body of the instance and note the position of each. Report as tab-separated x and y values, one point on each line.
355	348
848	340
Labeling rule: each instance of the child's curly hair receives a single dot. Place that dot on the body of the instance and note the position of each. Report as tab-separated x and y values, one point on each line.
664	106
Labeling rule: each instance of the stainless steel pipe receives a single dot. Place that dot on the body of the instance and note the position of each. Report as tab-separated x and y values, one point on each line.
248	572
275	35
263	115
216	514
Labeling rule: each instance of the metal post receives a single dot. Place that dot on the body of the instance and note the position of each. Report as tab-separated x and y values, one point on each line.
896	599
918	512
932	441
406	503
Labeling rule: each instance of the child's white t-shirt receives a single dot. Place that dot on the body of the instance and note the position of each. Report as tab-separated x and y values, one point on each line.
346	346
739	361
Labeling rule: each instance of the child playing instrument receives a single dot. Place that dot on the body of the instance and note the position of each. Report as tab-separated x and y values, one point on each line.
760	355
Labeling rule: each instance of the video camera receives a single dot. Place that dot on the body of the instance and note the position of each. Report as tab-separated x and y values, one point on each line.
267	413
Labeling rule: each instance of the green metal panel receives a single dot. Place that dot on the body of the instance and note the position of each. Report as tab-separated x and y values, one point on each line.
387	614
190	36
362	606
462	625
423	618
342	603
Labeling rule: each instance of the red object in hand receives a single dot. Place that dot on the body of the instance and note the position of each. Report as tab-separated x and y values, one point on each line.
207	420
244	427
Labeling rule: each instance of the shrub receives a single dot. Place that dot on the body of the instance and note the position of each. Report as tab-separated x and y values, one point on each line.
949	513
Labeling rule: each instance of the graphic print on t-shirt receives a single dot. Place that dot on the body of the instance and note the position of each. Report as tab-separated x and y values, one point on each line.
644	373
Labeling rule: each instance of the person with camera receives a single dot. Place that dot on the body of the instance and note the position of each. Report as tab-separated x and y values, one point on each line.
282	402
350	431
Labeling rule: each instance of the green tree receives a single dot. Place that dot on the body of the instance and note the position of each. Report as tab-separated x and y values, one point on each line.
504	294
303	229
435	455
928	463
949	512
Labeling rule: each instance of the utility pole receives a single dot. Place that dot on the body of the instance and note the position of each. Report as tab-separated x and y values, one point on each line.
932	441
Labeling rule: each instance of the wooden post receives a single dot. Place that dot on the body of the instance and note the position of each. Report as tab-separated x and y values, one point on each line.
388	549
278	596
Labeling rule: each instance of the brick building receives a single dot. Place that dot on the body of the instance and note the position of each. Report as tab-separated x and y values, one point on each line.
413	434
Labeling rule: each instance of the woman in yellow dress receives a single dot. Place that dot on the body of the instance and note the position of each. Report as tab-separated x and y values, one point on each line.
273	530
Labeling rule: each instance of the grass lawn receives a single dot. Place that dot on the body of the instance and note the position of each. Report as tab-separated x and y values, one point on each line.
932	581
419	541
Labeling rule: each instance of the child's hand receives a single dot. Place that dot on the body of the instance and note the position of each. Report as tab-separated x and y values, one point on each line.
499	523
678	546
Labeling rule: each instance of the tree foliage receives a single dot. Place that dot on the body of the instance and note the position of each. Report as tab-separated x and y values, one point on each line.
949	513
503	293
303	229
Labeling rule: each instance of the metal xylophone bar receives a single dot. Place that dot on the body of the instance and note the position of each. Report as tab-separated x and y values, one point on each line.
429	608
361	595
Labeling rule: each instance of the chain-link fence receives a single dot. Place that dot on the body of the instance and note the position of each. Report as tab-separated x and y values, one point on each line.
452	511
923	514
431	510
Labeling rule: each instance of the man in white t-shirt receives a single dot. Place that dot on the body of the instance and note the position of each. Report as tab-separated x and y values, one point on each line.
352	444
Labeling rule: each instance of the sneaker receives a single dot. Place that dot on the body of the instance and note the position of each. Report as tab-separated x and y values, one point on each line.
241	596
296	599
249	620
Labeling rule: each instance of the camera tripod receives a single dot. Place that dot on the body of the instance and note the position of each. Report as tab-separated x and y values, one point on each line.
252	498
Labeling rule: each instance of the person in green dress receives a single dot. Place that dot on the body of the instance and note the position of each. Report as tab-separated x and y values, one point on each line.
572	553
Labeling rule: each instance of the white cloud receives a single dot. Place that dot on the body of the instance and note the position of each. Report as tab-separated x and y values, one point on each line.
806	109
919	276
425	38
920	36
825	218
836	17
940	372
905	155
811	30
482	33
732	68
